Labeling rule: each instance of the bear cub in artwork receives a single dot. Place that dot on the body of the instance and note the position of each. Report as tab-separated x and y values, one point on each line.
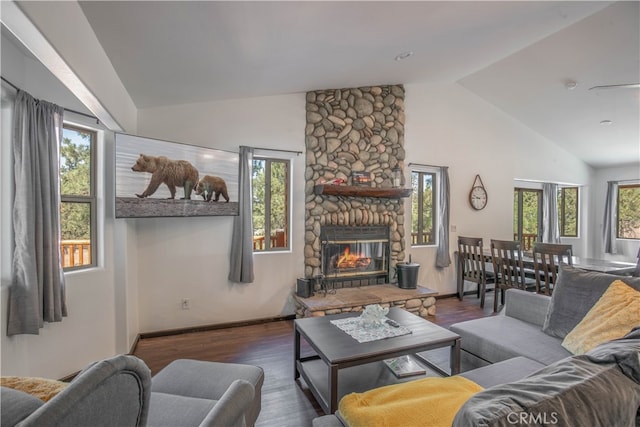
172	173
212	185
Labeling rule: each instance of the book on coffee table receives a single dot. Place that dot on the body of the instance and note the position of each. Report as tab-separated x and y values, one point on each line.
404	366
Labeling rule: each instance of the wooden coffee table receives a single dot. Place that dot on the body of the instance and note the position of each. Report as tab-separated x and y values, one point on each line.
337	351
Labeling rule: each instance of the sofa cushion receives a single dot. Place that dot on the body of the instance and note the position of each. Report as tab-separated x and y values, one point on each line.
171	410
209	380
499	338
503	372
573	296
569	392
16	405
43	388
615	314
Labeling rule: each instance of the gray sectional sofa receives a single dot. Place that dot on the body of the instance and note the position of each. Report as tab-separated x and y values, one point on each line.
529	378
534	325
120	392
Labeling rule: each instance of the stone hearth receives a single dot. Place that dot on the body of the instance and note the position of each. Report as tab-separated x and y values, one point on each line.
420	301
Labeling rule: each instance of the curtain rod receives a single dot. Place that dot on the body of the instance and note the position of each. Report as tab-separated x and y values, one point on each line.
429	166
277	149
65	109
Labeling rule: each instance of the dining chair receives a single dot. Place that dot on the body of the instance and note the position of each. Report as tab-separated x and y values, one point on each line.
506	257
471	266
547	259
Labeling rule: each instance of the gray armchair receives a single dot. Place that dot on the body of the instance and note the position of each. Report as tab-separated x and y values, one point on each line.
120	392
112	392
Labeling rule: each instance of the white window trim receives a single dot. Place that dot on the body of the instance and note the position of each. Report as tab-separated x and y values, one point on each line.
436	189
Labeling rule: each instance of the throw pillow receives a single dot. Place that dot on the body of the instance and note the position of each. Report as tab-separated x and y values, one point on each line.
571	392
42	388
573	296
615	314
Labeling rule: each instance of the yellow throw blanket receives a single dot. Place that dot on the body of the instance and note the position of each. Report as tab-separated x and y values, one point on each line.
428	402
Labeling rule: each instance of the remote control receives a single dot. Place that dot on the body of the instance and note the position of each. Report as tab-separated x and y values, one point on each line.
393	323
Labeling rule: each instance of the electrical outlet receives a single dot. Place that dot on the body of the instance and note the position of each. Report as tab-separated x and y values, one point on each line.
453	228
186	303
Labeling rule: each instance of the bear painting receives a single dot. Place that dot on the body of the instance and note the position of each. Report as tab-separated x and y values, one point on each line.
210	186
172	173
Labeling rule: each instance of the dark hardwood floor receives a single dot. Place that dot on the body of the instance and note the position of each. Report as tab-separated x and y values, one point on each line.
270	345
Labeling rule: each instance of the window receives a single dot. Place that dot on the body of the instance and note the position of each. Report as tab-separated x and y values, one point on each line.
423	208
270	180
78	198
527	216
568	211
628	211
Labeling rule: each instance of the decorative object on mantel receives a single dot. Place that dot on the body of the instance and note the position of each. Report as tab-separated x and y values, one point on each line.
397	177
353	191
334	181
361	179
478	194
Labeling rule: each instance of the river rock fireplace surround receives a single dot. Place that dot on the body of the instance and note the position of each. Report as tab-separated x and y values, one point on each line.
354	235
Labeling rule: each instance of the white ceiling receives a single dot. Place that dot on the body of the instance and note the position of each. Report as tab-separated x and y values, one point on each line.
516	55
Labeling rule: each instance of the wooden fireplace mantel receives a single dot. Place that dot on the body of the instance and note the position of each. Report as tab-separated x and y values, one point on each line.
354	191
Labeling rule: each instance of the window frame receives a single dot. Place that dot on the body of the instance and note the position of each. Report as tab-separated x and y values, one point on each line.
268	159
561	211
623	186
92	199
435	205
518	192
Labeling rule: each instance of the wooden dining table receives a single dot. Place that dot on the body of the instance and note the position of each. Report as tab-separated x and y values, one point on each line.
619	268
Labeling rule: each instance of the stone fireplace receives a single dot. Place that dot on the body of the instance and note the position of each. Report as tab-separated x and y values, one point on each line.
354	233
353	130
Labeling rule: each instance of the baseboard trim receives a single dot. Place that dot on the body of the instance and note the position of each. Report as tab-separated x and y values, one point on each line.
204	328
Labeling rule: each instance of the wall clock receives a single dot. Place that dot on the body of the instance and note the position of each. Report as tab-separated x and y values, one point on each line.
478	194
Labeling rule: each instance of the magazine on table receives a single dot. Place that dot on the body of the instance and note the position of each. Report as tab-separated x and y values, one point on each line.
404	366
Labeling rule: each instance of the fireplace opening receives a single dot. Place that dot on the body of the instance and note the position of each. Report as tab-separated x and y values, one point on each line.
355	256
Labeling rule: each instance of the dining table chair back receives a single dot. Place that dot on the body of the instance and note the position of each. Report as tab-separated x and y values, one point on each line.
547	259
506	257
471	266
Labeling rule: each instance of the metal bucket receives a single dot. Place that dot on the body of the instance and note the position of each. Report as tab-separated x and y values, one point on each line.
407	274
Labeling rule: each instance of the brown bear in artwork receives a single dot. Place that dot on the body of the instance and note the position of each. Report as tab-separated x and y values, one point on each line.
173	173
210	185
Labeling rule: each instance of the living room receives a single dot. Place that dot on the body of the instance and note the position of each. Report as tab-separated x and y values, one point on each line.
148	266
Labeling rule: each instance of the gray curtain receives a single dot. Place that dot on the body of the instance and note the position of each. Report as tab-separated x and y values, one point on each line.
37	291
443	258
550	228
241	262
610	219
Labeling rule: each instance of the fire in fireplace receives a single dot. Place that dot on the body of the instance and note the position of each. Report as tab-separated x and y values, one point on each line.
355	254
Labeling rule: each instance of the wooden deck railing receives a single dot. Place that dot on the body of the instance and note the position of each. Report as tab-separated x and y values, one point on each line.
527	240
426	237
75	253
278	240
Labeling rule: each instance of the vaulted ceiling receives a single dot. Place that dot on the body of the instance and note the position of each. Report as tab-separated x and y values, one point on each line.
520	56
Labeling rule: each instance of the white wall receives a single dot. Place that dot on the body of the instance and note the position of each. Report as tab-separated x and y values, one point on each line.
88	332
189	257
627	249
447	125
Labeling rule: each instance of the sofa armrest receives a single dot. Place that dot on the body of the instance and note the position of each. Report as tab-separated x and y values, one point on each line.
230	410
526	306
111	392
